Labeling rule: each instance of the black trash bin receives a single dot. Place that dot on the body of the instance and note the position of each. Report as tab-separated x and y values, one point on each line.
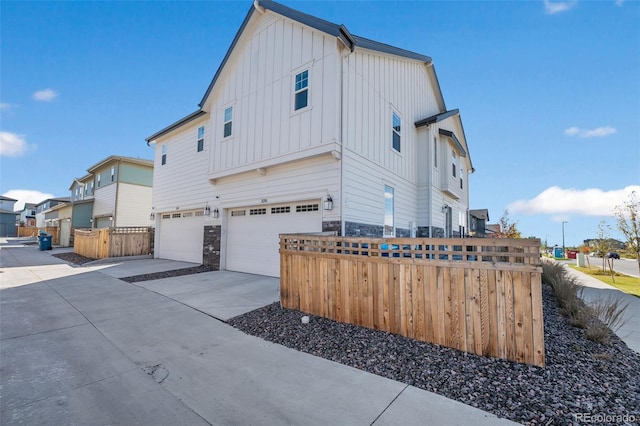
44	241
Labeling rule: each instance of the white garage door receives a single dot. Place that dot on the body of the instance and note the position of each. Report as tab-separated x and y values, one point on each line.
253	234
181	236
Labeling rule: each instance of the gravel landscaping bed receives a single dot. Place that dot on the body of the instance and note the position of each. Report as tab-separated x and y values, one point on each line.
80	260
581	377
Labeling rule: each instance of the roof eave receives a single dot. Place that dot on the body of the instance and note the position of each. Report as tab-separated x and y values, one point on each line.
177	124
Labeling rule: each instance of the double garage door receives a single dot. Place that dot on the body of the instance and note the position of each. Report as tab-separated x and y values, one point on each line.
253	234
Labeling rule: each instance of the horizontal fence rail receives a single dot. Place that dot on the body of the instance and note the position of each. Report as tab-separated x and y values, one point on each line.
113	242
482	296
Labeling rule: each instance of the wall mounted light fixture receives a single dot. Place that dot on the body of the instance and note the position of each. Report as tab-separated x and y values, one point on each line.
328	202
152	216
216	213
207	210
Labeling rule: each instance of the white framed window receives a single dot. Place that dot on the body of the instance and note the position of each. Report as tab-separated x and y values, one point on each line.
435	152
98	179
113	173
163	151
396	125
388	212
461	178
228	122
301	90
454	163
200	144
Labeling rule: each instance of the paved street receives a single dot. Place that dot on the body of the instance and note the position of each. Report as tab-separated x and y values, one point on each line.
79	346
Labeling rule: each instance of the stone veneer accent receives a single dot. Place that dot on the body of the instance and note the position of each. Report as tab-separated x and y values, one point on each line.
422	232
332	226
354	229
403	233
211	246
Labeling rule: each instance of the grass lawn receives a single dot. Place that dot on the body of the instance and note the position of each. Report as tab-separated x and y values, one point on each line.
625	283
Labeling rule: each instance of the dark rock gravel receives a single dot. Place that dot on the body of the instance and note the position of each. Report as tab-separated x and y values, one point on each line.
73	258
582	377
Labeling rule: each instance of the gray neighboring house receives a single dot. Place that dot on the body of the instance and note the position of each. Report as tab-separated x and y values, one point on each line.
7	217
478	220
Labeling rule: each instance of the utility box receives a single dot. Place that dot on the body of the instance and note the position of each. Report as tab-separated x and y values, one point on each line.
581	260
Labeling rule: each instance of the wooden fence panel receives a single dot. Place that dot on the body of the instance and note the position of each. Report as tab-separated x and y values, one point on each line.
113	242
469	300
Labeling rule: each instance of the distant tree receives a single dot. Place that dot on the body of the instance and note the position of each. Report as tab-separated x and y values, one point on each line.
508	229
602	244
628	215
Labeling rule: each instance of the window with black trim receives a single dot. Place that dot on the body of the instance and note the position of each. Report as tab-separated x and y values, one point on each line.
200	144
454	163
301	90
396	125
163	159
113	174
435	152
228	121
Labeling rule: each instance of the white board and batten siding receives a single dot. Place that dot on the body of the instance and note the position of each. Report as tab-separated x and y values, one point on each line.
375	86
265	126
182	183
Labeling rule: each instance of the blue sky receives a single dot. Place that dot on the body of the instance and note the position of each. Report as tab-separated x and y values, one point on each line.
549	92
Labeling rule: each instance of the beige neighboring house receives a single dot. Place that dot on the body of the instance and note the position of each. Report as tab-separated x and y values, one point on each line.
59	216
120	189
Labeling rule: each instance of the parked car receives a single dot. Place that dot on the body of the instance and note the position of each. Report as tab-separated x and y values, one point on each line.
613	255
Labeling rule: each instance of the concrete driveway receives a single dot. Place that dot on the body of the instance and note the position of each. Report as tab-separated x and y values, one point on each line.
79	346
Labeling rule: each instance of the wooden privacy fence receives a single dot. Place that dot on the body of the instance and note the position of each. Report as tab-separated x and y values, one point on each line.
477	295
32	231
113	242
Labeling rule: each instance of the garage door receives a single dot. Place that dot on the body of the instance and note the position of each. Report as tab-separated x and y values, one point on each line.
253	234
181	236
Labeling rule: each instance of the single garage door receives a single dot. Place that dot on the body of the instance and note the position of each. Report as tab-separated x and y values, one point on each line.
253	234
181	236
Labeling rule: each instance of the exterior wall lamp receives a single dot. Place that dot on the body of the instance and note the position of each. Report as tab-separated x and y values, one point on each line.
207	210
328	202
216	213
152	216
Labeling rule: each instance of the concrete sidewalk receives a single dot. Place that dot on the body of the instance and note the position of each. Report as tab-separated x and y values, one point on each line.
79	346
596	289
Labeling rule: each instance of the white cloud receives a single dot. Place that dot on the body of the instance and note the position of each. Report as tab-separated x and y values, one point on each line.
5	106
598	132
13	145
553	7
619	2
587	202
46	95
26	196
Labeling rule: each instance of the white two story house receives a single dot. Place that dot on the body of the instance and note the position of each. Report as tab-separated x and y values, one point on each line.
306	127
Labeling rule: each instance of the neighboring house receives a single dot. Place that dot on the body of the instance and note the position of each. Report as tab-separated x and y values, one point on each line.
59	216
478	219
116	192
611	242
27	216
7	217
306	127
45	205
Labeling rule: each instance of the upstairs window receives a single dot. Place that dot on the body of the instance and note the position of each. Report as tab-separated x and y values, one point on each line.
435	152
454	163
461	178
163	160
200	138
98	179
396	124
228	121
113	174
302	90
